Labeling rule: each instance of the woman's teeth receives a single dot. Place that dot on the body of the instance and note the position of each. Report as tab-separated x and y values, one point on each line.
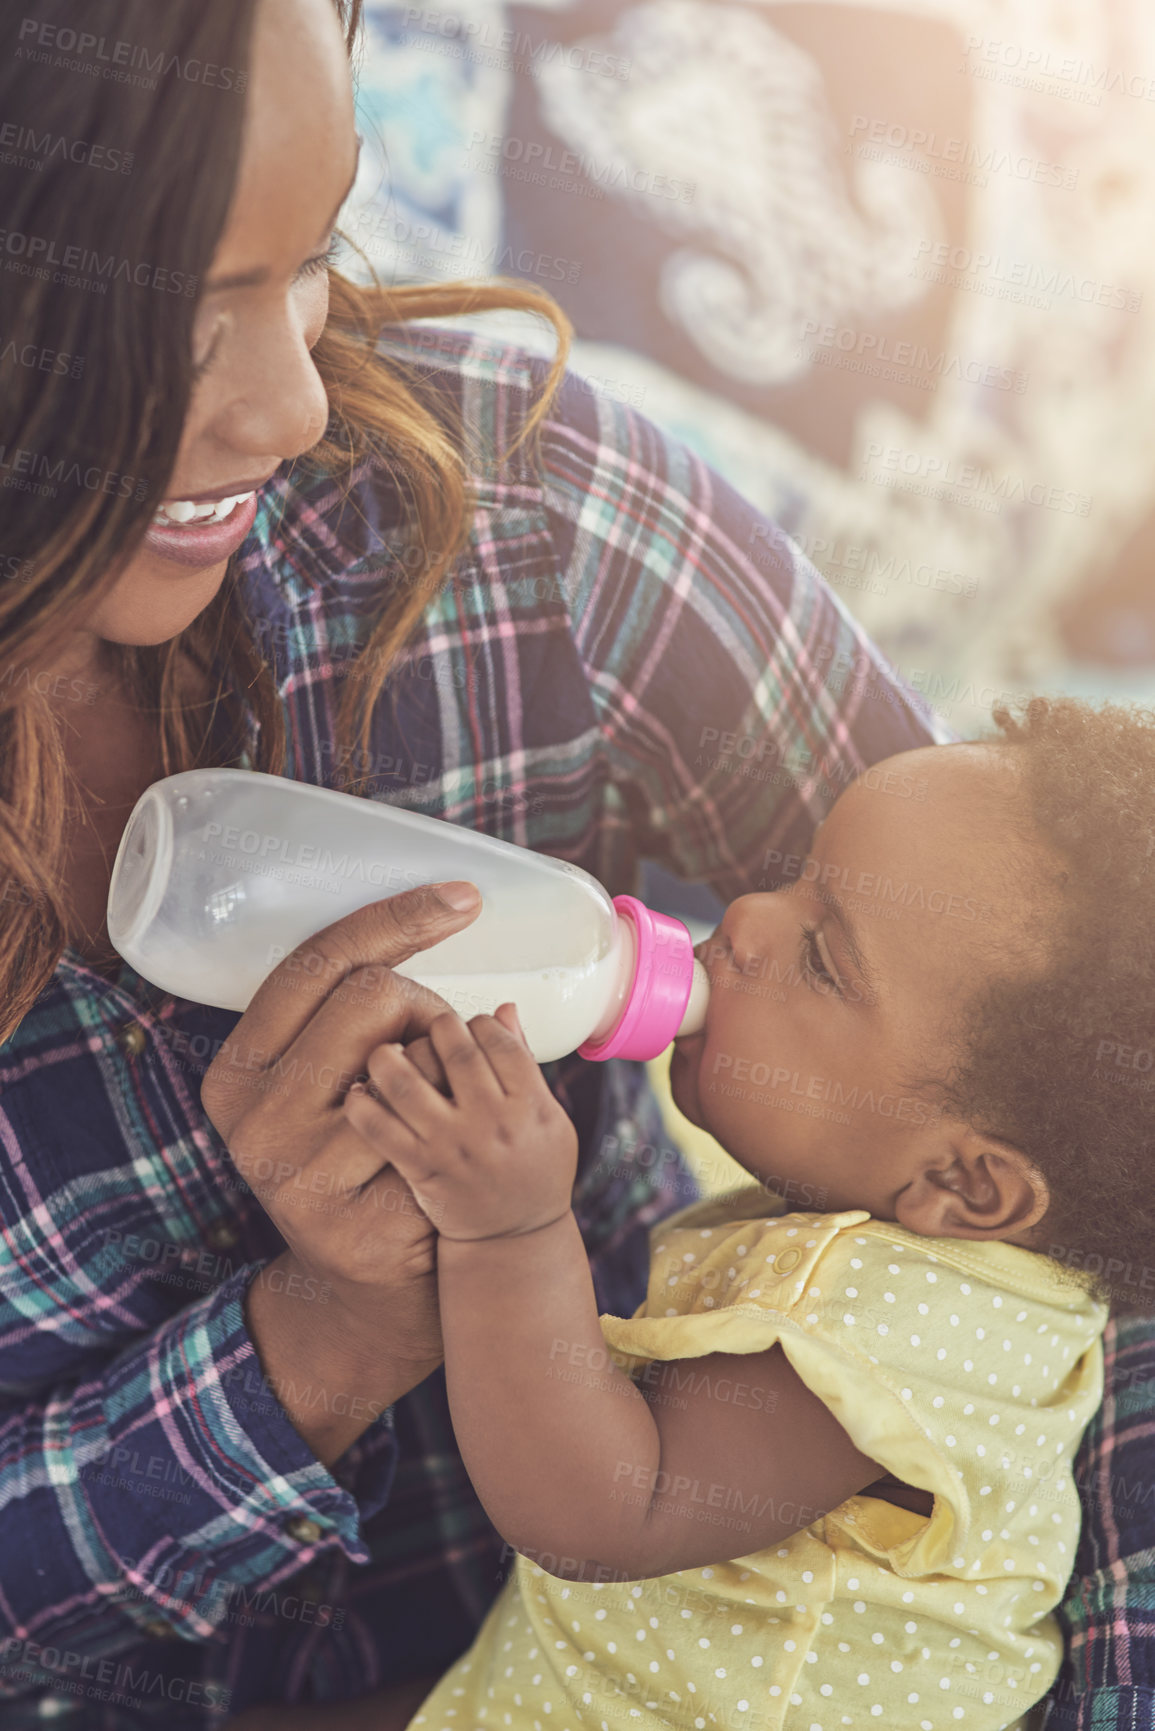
183	511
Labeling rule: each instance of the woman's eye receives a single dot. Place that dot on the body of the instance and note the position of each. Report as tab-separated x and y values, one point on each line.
322	261
813	966
202	367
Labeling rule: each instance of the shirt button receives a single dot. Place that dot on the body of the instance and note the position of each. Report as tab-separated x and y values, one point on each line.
223	1235
304	1529
132	1039
158	1629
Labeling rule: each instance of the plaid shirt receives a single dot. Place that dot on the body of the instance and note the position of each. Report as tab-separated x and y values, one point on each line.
1107	1682
628	663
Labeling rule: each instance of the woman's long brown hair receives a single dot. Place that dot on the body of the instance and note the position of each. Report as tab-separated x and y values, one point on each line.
92	433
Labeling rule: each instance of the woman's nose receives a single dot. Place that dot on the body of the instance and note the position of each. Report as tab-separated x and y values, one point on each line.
277	400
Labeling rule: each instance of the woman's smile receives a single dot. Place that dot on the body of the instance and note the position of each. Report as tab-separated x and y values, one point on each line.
207	543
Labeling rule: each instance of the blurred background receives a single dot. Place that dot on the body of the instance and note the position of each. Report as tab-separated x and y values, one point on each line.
890	270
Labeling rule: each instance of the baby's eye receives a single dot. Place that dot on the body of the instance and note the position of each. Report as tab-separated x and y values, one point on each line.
813	967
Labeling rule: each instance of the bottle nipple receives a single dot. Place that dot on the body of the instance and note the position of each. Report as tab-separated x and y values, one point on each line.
694	1015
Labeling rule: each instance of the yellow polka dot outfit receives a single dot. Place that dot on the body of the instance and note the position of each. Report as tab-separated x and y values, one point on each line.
963	1367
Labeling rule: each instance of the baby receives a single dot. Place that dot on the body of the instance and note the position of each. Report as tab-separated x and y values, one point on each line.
823	1477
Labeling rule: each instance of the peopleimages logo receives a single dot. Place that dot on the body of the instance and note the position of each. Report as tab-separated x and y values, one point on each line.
942	364
1047	280
614	173
431	247
49	473
1031	67
66	1668
984	486
43	145
37	357
35	249
956	157
479	40
119	60
273	850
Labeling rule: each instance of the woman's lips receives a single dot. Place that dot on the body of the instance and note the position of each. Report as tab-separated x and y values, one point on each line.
200	545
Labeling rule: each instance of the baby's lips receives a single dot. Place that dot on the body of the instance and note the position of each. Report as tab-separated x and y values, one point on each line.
715	945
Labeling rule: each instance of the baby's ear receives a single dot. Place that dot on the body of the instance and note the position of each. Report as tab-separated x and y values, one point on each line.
974	1186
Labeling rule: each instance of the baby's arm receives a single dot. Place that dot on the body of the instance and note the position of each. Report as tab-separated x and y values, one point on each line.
578	1468
575	1465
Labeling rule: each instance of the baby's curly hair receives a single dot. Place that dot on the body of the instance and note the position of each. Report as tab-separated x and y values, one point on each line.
1063	1067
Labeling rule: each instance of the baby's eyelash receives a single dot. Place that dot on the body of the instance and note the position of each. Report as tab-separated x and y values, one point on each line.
813	966
322	261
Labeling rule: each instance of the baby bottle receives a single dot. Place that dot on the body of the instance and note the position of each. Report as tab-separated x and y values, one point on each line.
221	873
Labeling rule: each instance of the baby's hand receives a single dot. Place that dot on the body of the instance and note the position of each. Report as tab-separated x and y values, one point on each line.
421	1053
494	1159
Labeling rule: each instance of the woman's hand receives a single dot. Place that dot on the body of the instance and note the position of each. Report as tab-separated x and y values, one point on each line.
276	1093
498	1156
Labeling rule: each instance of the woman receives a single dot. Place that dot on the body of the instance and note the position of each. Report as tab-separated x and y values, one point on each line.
228	1479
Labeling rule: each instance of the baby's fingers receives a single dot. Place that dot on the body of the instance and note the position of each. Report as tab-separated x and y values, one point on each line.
502	1039
402	1087
421	1053
414	1159
507	1015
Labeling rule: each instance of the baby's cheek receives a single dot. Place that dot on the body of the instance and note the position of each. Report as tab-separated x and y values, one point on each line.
317	310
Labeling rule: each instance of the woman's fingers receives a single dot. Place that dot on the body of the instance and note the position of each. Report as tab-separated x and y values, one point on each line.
335	993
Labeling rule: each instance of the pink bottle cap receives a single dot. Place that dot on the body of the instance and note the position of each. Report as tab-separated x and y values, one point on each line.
663	975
